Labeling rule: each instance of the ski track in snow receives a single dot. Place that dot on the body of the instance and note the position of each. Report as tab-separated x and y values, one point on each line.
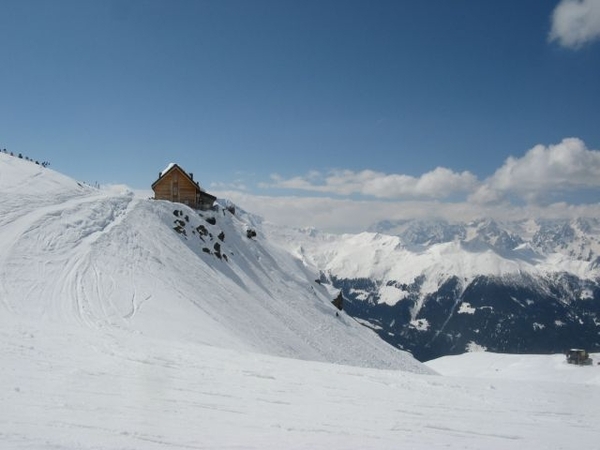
41	238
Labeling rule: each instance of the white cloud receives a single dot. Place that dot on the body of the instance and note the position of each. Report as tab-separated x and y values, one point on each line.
237	185
542	172
437	184
543	175
576	22
351	216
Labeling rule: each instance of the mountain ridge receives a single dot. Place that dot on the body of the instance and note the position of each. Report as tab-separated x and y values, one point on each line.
106	260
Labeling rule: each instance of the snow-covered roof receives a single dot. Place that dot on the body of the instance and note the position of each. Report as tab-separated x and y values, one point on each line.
169	167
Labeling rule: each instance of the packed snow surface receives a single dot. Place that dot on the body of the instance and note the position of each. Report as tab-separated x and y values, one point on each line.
123	325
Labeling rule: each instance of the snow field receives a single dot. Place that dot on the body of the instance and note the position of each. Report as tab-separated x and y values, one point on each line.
127	391
546	368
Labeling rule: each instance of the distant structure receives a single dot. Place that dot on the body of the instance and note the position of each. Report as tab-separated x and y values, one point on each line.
579	356
176	185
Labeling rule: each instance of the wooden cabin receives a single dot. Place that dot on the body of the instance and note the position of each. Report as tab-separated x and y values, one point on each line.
176	185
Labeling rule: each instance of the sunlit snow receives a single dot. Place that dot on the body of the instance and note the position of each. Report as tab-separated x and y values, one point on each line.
121	328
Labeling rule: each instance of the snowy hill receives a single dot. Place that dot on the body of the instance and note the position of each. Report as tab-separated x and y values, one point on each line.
100	259
127	323
435	288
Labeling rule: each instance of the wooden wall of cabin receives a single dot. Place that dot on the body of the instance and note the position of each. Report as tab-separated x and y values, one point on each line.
176	187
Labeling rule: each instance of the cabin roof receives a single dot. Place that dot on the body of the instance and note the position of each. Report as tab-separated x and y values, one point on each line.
173	166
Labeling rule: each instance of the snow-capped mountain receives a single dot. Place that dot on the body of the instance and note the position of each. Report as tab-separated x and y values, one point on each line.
435	288
577	239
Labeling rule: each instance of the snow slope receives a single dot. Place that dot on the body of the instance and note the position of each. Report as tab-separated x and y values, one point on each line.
120	331
549	368
103	260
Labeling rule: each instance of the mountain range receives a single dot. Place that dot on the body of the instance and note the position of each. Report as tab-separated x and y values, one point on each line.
437	288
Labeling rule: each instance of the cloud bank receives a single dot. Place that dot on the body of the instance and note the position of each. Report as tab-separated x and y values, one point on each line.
439	183
575	23
537	177
353	216
536	184
543	173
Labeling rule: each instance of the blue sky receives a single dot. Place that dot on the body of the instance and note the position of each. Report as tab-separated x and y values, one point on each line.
333	114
